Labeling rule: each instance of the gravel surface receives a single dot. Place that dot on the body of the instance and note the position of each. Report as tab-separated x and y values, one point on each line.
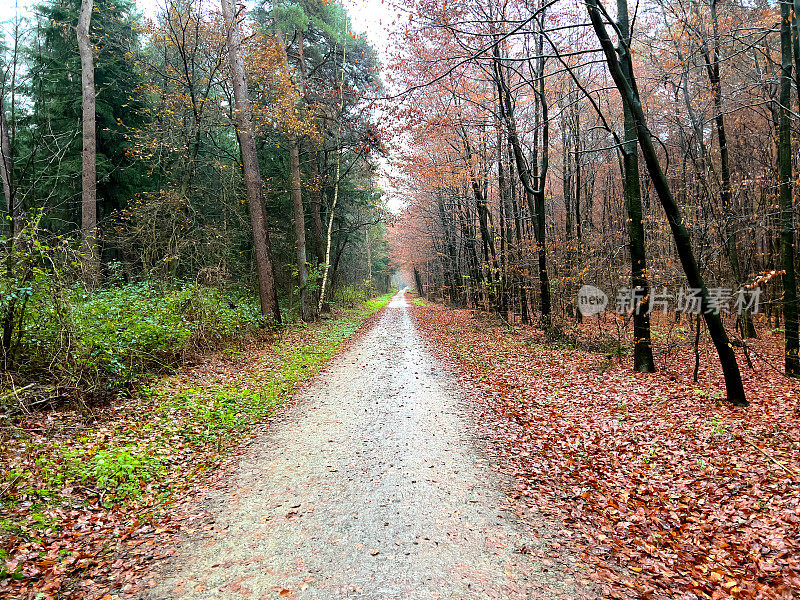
371	487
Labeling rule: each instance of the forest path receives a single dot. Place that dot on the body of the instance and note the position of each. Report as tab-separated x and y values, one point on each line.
370	487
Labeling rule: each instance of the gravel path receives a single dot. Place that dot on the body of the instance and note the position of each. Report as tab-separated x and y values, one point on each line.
372	487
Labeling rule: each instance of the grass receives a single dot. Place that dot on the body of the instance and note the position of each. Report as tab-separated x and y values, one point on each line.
140	450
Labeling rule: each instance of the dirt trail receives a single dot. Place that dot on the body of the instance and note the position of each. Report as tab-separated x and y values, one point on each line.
372	487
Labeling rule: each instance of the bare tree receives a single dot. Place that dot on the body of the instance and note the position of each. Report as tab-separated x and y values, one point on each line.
626	84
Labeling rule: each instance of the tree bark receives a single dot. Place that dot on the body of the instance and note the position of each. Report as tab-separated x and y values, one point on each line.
247	143
534	196
297	202
487	240
642	347
796	45
327	259
792	361
452	285
318	241
6	167
418	283
540	176
578	230
299	226
728	211
89	248
475	281
368	254
316	209
630	95
13	203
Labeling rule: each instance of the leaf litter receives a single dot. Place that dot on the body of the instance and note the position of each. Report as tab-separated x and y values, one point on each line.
77	527
667	491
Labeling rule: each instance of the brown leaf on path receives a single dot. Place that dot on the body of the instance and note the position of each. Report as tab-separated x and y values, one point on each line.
666	490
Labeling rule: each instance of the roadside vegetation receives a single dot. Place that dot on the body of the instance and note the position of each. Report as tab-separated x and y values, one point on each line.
79	473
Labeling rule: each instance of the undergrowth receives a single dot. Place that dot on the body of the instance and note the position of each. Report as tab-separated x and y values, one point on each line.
101	342
140	450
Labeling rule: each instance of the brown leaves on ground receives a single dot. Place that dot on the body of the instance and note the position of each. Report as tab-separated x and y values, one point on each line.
668	491
73	546
59	539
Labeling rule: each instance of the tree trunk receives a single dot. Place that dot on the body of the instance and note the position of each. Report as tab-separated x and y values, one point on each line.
316	209
299	226
89	250
418	283
247	143
578	230
518	225
452	287
642	348
368	252
489	251
6	167
297	202
475	282
540	168
507	218
534	196
728	211
321	306
796	40
629	92
316	195
792	362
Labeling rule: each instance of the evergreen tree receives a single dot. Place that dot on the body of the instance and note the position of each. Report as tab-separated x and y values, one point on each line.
53	145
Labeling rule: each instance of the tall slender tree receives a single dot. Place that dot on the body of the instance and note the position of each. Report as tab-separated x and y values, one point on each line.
625	82
642	349
252	176
89	245
336	182
790	316
297	199
6	170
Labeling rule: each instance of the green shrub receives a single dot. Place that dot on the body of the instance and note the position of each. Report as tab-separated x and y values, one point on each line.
105	340
122	472
350	296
